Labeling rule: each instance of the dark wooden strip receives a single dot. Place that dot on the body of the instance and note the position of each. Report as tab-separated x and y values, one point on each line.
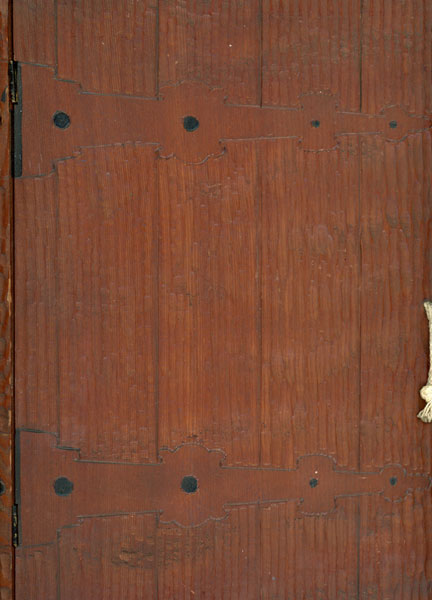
6	307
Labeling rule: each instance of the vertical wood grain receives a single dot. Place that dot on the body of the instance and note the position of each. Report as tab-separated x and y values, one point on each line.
208	305
106	244
108	46
395	540
395	548
108	557
36	572
215	42
36	306
267	302
81	251
6	307
311	45
310	557
311	276
396	279
396	55
34	31
310	316
215	560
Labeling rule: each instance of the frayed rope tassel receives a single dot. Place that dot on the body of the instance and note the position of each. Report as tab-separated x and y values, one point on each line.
426	392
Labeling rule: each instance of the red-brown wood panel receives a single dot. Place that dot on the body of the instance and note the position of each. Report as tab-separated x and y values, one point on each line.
110	557
214	41
396	217
36	572
311	46
6	329
34	28
222	228
310	232
208	305
98	44
396	277
218	559
36	327
310	557
208	291
106	246
396	55
310	335
395	548
85	249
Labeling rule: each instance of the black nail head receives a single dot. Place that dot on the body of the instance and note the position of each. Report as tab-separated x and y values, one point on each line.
190	123
393	124
63	486
315	123
61	120
313	482
393	480
189	484
2	488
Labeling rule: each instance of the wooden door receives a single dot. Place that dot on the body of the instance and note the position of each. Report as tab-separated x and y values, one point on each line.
221	213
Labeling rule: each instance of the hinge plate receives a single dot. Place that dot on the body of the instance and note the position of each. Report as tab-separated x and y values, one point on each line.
15	540
13	81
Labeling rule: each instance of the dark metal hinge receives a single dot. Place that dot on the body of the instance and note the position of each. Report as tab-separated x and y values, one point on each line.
13	81
15	96
15	539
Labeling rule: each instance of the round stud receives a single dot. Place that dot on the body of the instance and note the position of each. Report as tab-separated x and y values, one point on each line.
189	484
63	486
61	120
190	123
393	124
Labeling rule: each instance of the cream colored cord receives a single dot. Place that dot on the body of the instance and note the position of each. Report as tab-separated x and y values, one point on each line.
426	392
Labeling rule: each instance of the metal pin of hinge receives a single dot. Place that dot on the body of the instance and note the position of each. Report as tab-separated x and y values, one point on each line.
15	540
13	81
